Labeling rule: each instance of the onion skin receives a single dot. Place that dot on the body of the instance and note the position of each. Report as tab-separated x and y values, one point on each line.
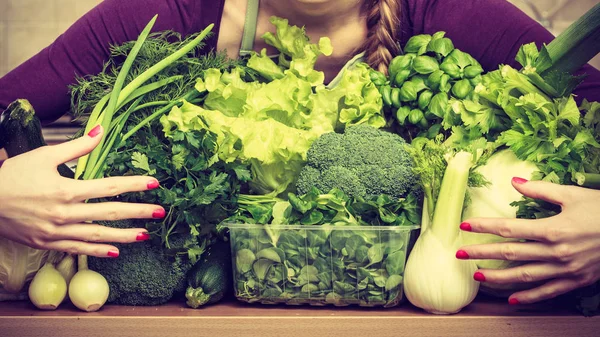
48	288
88	290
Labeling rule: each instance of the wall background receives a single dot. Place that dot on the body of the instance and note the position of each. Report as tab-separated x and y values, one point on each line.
27	26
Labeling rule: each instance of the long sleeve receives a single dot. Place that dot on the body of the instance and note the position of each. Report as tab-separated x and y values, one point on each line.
491	31
84	47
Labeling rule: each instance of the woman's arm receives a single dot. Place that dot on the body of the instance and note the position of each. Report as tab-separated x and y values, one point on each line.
491	31
84	47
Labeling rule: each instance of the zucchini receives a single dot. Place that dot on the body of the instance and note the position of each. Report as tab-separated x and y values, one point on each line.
210	280
21	131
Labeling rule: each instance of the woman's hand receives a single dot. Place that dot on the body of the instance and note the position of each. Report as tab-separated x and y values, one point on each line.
44	210
564	251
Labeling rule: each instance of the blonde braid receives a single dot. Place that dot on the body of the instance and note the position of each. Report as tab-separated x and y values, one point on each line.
383	24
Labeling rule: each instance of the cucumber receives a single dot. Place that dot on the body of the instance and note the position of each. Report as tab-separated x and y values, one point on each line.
21	131
210	280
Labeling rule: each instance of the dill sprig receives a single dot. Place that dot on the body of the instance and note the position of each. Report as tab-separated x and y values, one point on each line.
89	90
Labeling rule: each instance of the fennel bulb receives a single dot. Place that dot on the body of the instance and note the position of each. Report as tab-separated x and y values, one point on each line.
434	279
494	199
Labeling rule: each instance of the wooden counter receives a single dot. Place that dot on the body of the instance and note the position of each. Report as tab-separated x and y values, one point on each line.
485	317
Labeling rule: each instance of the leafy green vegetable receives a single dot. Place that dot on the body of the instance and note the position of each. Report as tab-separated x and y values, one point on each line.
316	254
432	76
196	190
271	123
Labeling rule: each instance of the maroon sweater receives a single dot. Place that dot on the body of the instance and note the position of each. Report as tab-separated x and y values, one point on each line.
491	31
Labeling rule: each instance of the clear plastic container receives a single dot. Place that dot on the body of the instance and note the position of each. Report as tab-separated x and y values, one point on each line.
320	265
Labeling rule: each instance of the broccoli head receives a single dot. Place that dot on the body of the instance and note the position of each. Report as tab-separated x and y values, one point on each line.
143	274
363	162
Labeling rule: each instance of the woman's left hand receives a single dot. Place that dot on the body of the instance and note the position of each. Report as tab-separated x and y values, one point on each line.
563	250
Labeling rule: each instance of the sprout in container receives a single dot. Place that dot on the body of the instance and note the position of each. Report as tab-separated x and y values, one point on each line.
434	279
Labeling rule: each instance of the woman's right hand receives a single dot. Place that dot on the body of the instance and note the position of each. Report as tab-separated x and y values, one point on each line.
42	209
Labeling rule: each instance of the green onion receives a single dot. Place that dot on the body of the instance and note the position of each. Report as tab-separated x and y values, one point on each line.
92	166
576	46
106	117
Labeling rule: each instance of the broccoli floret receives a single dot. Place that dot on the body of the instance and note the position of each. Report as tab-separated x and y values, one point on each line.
329	178
363	162
143	274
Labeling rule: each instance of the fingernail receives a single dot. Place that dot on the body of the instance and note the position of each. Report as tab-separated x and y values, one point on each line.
113	253
518	180
142	236
466	227
462	255
95	131
513	301
152	184
479	277
158	214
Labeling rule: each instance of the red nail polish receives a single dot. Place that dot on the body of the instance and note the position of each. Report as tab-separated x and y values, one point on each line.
159	214
518	180
466	227
142	237
113	253
95	131
462	255
152	184
479	277
513	301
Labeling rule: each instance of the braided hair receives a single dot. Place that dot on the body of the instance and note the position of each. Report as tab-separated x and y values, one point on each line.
383	25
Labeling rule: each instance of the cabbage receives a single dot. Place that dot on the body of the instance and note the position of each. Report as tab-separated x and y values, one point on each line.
18	265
